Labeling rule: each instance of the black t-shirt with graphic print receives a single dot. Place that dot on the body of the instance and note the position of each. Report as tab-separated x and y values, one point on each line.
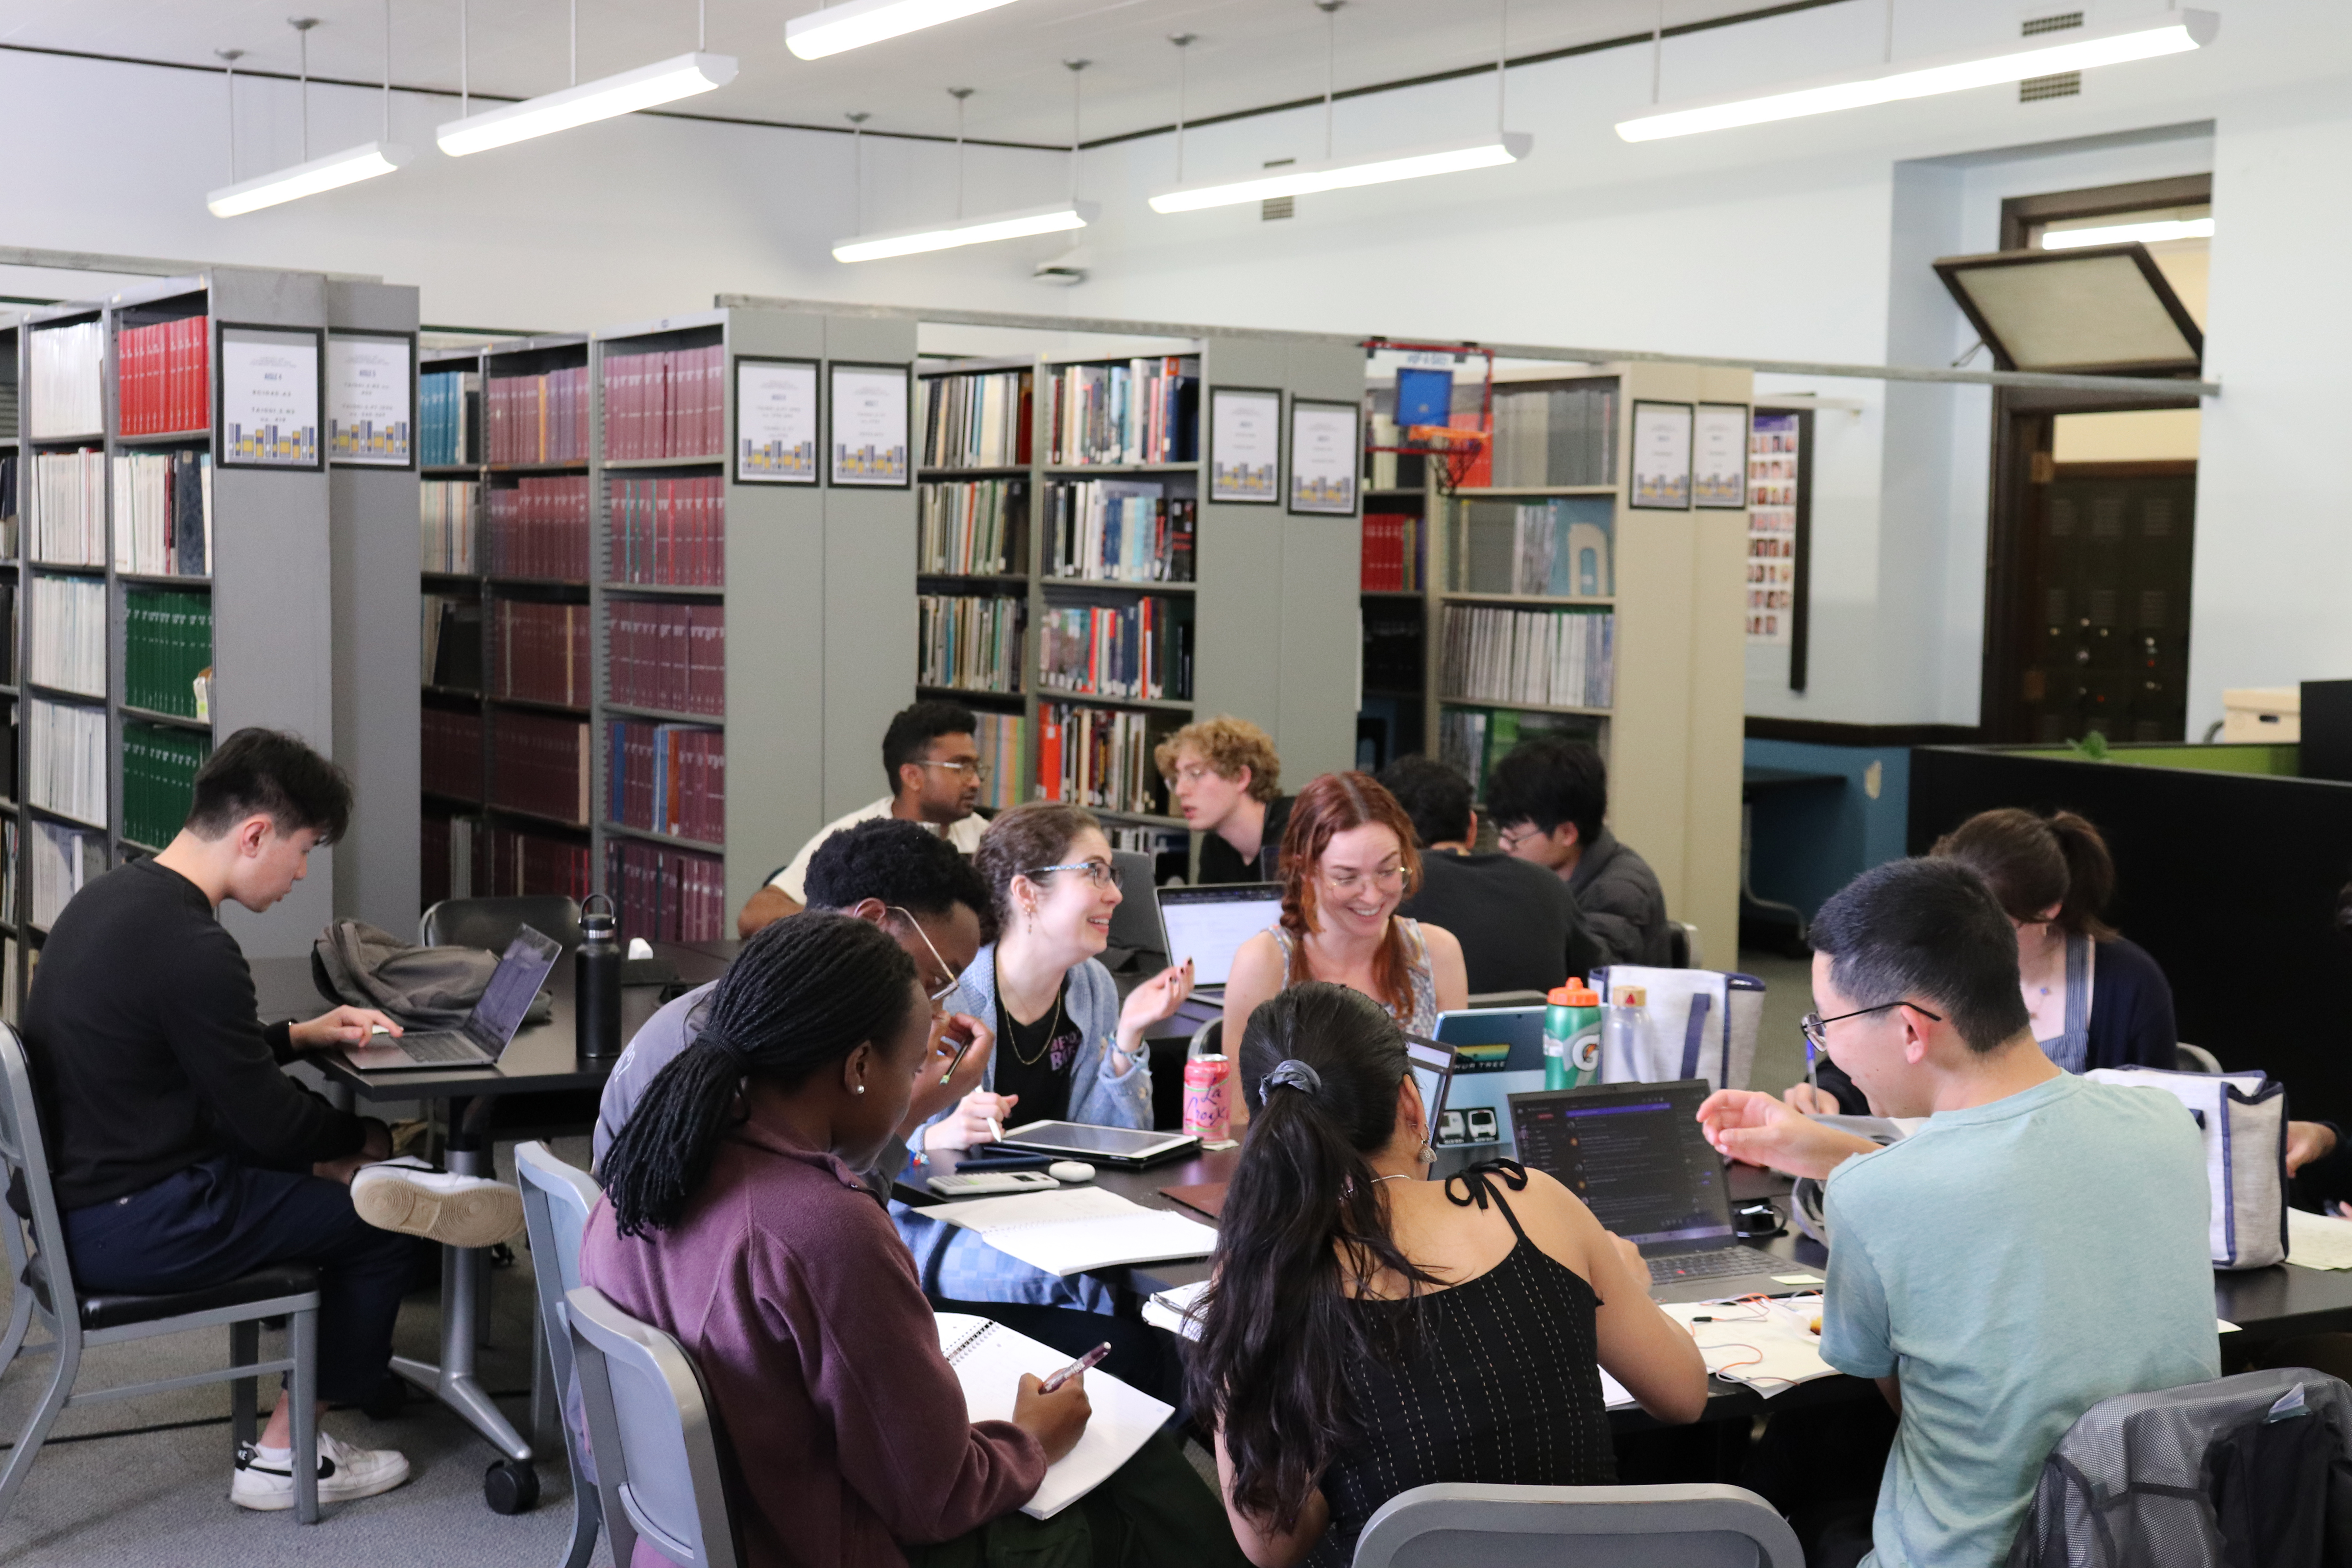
1033	1060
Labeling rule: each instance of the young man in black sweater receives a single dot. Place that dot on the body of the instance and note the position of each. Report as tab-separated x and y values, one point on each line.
182	1154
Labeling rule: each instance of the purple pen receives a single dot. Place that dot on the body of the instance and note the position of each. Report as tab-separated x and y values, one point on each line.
1076	1367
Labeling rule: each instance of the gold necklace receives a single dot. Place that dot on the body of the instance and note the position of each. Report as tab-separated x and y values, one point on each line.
1050	1031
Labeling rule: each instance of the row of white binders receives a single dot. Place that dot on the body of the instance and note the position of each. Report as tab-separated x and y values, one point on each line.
66	760
1550	659
69	650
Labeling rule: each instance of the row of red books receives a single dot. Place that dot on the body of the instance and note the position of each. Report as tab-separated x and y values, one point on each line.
539	763
669	530
540	653
1392	559
669	657
669	778
524	864
451	755
540	529
539	418
160	380
668	403
666	895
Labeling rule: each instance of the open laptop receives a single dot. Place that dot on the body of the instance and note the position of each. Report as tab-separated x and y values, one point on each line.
1431	1062
1636	1155
487	1032
1135	923
1208	925
1497	1053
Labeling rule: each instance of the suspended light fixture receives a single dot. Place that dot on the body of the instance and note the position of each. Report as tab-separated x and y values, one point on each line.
2168	33
1054	219
311	175
861	22
647	87
1332	173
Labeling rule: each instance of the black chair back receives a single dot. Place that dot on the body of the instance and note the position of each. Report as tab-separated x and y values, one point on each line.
493	923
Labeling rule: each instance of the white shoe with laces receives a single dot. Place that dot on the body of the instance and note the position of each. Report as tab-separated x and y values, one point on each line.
456	1211
265	1476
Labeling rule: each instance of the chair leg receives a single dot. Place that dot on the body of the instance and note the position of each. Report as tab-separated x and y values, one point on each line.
20	1320
43	1417
244	1350
586	1515
304	1393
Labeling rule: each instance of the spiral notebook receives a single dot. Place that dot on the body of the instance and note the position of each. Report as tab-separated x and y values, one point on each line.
1077	1229
989	1360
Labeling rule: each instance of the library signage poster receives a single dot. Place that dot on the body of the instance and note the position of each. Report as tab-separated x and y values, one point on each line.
1661	458
775	421
370	402
869	407
270	391
1326	450
1244	445
1720	457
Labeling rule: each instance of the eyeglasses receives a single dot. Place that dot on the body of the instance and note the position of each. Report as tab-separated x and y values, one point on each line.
955	981
1194	772
977	770
1816	1027
1388	880
1509	840
1101	873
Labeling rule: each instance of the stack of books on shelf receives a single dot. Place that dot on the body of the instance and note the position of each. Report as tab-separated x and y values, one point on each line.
67	398
451	753
999	739
1561	548
1392	557
69	634
8	631
8	507
159	779
539	764
69	508
667	656
65	769
970	528
445	400
10	838
1473	740
8	412
1553	435
163	513
666	404
518	864
1144	411
1141	649
669	530
973	644
1393	648
539	528
451	642
539	418
666	894
979	421
669	778
161	371
445	525
167	643
1099	757
540	654
1552	658
9	790
64	859
1118	531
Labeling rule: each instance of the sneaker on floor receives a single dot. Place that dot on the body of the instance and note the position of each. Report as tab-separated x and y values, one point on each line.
265	1480
457	1211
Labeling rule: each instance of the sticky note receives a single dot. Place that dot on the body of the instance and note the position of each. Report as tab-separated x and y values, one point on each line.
1797	1280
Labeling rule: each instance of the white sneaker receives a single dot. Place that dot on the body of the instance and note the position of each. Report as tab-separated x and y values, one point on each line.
457	1211
266	1481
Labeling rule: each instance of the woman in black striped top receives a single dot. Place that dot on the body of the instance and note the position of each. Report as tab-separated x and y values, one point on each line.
1370	1331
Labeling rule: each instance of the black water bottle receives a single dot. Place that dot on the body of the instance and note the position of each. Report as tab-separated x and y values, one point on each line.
597	981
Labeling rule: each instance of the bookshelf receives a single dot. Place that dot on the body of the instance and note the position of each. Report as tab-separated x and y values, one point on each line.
14	488
453	563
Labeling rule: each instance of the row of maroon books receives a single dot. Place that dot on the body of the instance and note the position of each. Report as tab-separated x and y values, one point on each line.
523	864
161	380
539	418
670	531
667	656
666	895
669	778
540	529
668	403
451	755
539	763
540	652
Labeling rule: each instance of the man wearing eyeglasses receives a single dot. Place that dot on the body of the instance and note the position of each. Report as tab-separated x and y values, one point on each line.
932	761
1976	1267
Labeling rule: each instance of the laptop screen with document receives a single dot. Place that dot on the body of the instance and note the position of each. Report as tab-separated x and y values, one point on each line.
1635	1152
1208	925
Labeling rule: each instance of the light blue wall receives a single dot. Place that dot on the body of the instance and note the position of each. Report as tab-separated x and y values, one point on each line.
1809	840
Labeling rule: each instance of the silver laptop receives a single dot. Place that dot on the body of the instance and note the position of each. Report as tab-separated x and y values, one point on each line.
487	1032
1208	925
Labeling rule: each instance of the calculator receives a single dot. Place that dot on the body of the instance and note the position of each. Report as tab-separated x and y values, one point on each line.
985	1183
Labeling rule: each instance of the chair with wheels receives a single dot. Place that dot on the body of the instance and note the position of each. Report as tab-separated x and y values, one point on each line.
74	1319
493	923
556	1200
1459	1523
2195	1059
657	1437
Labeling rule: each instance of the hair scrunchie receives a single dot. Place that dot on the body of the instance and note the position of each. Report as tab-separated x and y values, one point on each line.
1289	1073
718	1042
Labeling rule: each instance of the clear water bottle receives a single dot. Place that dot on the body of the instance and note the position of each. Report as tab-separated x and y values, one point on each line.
1620	1028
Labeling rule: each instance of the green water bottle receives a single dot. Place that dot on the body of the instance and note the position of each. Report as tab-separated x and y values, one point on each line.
1571	1037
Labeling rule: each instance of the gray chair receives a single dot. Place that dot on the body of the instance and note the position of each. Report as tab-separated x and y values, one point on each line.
1508	999
556	1198
1461	1525
2195	1059
1683	948
656	1434
74	1319
493	923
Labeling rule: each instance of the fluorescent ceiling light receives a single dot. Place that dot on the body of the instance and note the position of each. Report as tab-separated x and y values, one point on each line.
967	231
2172	32
2124	232
308	179
862	22
1338	174
664	82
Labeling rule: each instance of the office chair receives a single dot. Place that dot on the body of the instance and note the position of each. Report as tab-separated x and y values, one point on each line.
1698	1526
1683	950
493	923
2195	1059
43	1289
556	1199
656	1434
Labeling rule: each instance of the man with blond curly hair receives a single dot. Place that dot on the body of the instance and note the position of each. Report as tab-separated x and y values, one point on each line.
1225	780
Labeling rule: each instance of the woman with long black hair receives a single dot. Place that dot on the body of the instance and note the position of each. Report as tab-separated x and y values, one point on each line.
1369	1330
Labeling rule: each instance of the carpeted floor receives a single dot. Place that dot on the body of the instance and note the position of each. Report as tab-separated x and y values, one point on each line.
1787	996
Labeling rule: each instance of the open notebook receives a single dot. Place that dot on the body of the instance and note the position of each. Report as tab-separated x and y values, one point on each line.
989	1360
1077	1229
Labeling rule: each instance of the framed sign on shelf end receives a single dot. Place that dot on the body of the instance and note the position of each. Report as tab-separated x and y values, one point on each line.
269	391
776	421
869	409
1245	444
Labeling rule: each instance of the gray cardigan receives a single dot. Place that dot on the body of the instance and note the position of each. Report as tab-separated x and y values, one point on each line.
1102	1093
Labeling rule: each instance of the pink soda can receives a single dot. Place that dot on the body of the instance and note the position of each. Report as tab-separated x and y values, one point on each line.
1208	1111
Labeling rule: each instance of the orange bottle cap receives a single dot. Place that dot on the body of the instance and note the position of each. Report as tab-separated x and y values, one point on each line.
1575	994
